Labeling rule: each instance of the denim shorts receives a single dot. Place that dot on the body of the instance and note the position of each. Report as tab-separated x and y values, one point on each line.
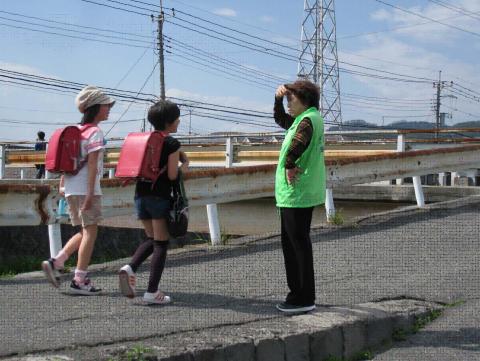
152	207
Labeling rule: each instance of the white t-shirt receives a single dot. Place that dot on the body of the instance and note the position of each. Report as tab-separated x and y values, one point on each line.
92	141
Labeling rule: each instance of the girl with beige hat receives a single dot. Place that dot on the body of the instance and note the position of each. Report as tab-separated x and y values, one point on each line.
83	193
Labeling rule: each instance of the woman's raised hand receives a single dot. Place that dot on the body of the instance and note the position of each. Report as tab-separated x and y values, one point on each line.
281	91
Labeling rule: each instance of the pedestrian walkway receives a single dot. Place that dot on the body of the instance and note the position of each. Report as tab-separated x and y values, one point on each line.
431	255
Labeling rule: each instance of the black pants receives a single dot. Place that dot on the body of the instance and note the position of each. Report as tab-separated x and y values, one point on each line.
297	251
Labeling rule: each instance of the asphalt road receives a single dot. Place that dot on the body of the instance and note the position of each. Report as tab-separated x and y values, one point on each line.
432	255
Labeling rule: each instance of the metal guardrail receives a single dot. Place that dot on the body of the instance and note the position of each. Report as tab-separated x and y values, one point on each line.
33	202
233	152
30	158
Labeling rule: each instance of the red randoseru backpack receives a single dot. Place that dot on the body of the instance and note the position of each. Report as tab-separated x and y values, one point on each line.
63	151
140	156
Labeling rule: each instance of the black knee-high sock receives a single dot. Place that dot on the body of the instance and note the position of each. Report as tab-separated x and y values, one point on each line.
144	250
157	264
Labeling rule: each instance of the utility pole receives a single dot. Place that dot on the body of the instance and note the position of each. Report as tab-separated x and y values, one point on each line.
439	116
437	107
160	51
190	125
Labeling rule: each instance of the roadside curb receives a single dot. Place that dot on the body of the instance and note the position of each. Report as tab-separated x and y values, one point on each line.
335	332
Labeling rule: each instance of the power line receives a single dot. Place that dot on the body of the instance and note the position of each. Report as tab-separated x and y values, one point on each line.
75	25
395	29
269	41
457	9
223	69
216	72
72	30
126	94
289	57
133	6
226	61
463	112
278	54
116	8
129	105
72	36
131	68
430	19
465	88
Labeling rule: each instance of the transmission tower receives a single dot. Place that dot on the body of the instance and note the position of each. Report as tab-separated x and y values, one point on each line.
318	59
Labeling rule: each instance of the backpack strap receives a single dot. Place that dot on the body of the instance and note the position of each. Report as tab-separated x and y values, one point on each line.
85	130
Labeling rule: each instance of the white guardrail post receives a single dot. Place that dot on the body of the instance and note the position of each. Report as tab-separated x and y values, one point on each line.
400	148
442	179
229	153
2	161
329	205
453	178
417	185
212	209
214	224
54	238
111	173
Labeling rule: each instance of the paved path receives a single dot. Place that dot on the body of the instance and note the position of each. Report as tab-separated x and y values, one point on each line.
432	255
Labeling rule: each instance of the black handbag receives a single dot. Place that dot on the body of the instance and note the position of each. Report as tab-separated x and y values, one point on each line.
178	216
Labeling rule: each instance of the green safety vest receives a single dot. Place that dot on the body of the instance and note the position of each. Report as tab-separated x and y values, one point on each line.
309	188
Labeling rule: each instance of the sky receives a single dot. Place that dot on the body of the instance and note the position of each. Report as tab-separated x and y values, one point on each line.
372	37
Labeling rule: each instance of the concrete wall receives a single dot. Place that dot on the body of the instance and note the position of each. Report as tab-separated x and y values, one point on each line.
22	245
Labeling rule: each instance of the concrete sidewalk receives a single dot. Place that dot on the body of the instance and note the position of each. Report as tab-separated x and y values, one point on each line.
431	255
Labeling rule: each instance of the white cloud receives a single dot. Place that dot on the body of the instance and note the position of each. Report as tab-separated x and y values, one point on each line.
410	59
225	12
24	69
267	19
427	31
381	15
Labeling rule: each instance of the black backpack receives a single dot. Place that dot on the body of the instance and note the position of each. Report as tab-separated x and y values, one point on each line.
178	216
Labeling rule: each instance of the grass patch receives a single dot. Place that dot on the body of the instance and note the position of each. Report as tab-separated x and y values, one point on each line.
136	353
359	356
337	218
225	238
455	304
363	355
399	335
422	321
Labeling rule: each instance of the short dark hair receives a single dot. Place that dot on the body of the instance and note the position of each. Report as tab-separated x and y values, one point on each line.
162	113
306	91
41	135
90	114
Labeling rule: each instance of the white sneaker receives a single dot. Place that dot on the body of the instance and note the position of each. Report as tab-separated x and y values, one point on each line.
127	281
157	298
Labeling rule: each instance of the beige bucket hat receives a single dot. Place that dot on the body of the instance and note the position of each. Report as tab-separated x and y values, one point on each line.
91	95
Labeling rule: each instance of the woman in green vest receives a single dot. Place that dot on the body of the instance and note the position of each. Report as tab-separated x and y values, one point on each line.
299	187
